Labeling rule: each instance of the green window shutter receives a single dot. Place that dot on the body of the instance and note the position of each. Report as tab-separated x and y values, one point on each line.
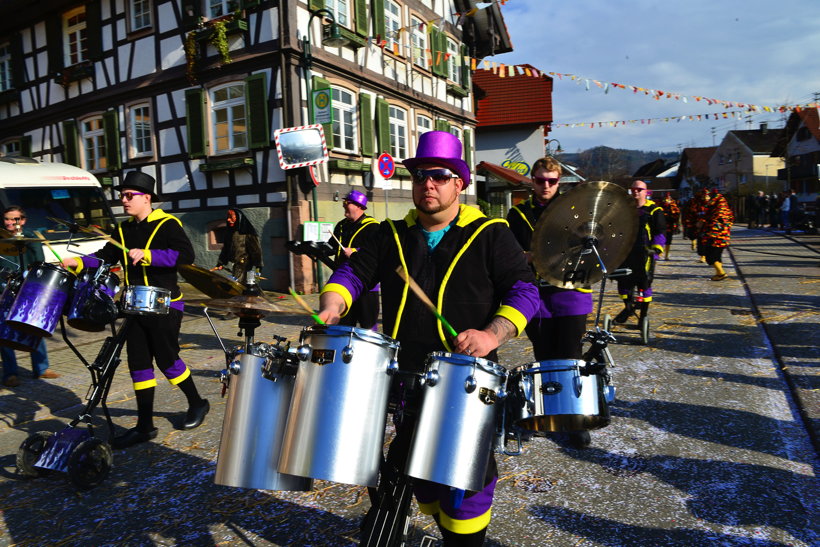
111	128
365	124
321	83
316	4
54	32
361	17
256	98
378	18
70	143
191	12
437	52
465	68
93	32
17	65
195	117
25	146
442	125
468	147
383	124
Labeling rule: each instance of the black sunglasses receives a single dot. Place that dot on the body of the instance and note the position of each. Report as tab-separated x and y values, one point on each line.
438	176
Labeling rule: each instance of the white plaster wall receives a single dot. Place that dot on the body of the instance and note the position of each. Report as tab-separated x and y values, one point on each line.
174	178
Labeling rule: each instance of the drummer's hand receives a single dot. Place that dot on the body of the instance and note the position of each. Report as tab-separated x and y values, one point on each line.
136	256
331	308
69	262
476	343
348	251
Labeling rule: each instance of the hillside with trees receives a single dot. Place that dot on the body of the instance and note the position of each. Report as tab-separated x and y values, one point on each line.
604	163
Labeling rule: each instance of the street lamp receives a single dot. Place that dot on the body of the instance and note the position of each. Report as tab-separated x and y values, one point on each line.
557	150
334	39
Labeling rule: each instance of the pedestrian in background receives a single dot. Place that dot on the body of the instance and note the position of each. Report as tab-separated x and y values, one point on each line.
671	212
241	246
717	233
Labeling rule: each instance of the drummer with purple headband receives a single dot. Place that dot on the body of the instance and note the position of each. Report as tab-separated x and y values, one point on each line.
474	270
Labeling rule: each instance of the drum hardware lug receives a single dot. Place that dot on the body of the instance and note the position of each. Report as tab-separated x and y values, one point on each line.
470	384
551	388
486	396
430	378
234	367
347	354
392	367
501	393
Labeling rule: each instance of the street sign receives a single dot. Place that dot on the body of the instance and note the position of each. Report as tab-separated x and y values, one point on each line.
322	111
386	165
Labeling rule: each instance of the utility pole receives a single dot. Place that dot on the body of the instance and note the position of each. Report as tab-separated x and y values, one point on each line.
713	136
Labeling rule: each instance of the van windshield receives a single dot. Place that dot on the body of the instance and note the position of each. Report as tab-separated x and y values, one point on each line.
85	206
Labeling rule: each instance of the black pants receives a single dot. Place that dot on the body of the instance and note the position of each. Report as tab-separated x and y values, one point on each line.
557	337
154	337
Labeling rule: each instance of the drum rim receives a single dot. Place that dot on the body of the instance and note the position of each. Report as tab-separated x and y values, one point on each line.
486	365
133	288
345	330
536	367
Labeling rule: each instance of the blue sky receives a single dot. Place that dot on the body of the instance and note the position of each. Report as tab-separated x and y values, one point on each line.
749	51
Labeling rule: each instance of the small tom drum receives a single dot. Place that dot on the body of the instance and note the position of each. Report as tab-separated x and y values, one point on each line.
145	300
92	304
39	303
9	337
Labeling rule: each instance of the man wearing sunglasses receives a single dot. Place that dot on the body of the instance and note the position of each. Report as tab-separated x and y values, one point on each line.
559	325
356	230
474	272
641	260
156	245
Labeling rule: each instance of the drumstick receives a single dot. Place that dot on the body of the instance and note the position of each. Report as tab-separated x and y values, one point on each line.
337	240
108	238
304	305
423	297
48	244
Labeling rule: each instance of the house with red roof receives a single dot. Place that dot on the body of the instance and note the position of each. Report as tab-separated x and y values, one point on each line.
800	146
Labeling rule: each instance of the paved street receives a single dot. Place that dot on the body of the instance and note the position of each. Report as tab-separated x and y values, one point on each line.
713	438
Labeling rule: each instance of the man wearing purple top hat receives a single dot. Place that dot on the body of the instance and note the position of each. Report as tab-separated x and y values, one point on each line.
155	245
474	271
559	325
354	231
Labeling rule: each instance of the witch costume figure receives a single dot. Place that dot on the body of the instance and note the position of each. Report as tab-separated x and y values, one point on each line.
241	246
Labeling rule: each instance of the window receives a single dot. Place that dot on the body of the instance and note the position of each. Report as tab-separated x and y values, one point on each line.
423	125
456	131
93	139
340	10
140	14
398	132
10	148
392	24
344	120
453	62
419	38
218	8
139	128
230	130
75	37
5	68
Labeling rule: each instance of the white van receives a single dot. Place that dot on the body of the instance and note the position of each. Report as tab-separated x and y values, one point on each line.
55	196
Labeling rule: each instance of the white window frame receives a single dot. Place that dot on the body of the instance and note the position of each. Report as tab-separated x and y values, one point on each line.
236	141
6	82
423	125
419	43
92	138
453	64
139	15
221	8
341	11
392	24
345	120
75	34
398	132
140	133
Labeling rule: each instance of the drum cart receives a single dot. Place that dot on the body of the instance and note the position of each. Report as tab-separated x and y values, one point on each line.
641	313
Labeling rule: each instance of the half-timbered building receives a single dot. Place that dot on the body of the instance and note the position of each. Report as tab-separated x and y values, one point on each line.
191	91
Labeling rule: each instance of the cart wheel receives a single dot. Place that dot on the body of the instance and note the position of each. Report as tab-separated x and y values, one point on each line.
644	325
89	463
607	324
30	452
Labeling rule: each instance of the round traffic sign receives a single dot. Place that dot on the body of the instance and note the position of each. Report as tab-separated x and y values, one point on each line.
386	165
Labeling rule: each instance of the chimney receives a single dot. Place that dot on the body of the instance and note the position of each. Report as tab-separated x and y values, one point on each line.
764	127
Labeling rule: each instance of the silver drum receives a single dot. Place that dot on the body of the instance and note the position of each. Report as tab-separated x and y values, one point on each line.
554	395
335	428
253	427
144	300
460	410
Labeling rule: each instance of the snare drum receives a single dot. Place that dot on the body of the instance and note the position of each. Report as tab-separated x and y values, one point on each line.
144	300
335	428
255	416
92	305
40	301
460	410
10	337
551	396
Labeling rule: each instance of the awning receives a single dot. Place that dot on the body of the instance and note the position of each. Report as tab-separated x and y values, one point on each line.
496	173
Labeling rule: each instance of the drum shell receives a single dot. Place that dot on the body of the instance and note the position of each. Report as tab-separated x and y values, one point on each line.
252	430
92	307
145	300
10	337
39	303
335	428
456	430
553	396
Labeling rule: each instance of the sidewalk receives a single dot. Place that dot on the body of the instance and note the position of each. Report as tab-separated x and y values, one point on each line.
705	447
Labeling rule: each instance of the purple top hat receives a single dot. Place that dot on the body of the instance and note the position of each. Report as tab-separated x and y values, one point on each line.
358	198
442	148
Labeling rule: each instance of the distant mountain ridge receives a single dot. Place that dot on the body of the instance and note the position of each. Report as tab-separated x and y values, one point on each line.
605	163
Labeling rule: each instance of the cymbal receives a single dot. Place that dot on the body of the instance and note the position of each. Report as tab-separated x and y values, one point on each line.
13	246
19	240
599	213
213	284
245	305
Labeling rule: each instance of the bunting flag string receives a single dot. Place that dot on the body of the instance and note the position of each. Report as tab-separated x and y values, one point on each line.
646	121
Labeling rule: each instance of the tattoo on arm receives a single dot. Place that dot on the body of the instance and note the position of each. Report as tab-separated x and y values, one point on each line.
502	328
